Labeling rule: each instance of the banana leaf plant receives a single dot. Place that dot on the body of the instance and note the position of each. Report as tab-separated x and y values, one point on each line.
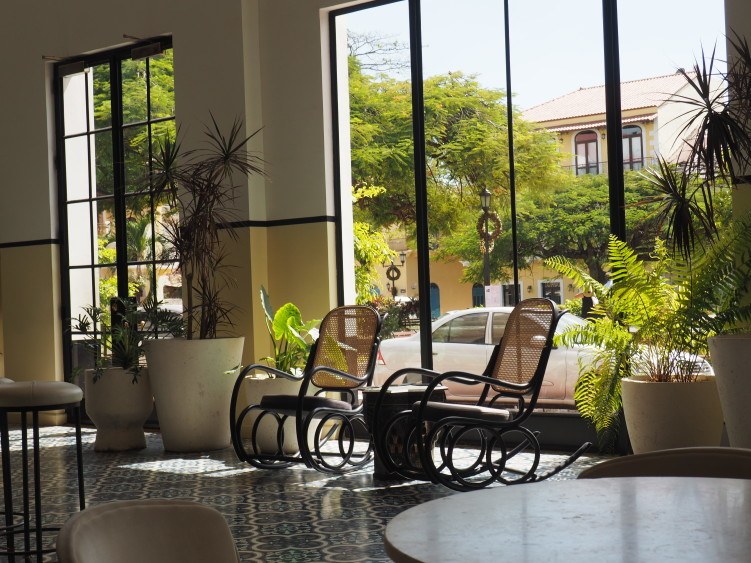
291	337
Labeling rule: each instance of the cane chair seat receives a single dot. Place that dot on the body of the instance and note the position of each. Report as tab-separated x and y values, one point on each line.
434	411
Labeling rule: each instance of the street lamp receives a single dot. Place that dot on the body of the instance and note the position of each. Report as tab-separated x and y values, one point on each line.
485	204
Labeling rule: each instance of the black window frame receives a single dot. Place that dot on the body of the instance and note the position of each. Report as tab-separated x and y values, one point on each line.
114	57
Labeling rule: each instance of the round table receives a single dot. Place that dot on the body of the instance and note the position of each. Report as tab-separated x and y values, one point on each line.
621	519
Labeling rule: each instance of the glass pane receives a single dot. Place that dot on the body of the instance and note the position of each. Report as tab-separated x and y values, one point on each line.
134	90
648	65
162	85
80	237
136	146
106	228
107	286
162	130
169	286
102	114
469	329
499	326
377	149
166	218
139	281
101	154
551	290
138	228
80	291
74	103
77	168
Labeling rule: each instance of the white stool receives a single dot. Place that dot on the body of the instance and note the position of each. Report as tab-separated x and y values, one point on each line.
24	397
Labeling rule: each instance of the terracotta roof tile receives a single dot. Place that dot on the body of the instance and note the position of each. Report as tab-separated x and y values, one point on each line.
643	93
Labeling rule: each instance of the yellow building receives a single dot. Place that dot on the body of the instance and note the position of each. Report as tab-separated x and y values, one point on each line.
652	125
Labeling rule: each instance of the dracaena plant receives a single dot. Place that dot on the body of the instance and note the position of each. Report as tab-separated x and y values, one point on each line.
656	317
201	184
716	123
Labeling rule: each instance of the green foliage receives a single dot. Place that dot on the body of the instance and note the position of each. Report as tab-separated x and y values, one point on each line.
657	316
113	344
466	145
371	249
119	342
291	337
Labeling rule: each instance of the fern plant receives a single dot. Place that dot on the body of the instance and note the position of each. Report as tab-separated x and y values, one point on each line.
656	317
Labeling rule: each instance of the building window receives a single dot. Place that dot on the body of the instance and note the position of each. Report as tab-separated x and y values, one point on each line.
586	153
113	108
478	295
551	290
632	148
509	299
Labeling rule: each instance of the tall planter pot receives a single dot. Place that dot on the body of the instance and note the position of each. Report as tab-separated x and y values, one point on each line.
671	415
118	408
192	382
731	360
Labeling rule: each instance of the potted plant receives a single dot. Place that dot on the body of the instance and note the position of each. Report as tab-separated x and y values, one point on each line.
649	334
117	392
291	340
718	115
192	376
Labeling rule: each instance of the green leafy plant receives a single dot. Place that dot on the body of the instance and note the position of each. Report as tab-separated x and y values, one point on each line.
115	337
118	344
291	337
656	317
201	185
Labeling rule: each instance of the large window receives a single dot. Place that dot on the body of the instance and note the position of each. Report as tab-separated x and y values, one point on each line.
632	148
113	108
586	153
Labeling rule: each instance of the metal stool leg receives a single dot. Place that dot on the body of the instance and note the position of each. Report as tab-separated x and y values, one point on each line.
79	458
25	482
37	487
7	485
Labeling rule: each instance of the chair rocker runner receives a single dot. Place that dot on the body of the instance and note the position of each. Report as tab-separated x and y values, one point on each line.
464	446
341	361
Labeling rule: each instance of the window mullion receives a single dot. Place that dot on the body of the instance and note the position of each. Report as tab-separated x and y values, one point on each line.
118	174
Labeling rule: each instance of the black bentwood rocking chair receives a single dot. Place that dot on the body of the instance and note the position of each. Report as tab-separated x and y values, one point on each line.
341	362
467	446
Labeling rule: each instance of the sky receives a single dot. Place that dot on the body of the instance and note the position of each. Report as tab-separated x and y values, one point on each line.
556	46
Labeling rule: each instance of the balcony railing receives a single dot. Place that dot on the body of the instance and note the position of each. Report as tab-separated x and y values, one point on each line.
602	167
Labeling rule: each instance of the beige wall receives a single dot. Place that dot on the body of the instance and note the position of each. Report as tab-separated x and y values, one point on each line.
226	63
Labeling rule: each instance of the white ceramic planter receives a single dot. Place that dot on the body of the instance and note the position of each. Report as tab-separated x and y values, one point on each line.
192	382
731	360
118	408
671	415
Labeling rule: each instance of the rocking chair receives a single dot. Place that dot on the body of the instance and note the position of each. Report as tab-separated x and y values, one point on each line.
465	446
341	361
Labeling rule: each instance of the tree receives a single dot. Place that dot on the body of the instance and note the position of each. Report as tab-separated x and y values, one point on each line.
466	146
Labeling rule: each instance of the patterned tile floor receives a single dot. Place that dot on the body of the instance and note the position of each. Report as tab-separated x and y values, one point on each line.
286	515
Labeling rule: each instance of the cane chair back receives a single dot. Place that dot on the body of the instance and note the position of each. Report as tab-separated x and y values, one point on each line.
346	342
527	337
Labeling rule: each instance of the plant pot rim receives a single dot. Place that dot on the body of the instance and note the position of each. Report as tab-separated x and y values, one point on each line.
704	378
732	336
